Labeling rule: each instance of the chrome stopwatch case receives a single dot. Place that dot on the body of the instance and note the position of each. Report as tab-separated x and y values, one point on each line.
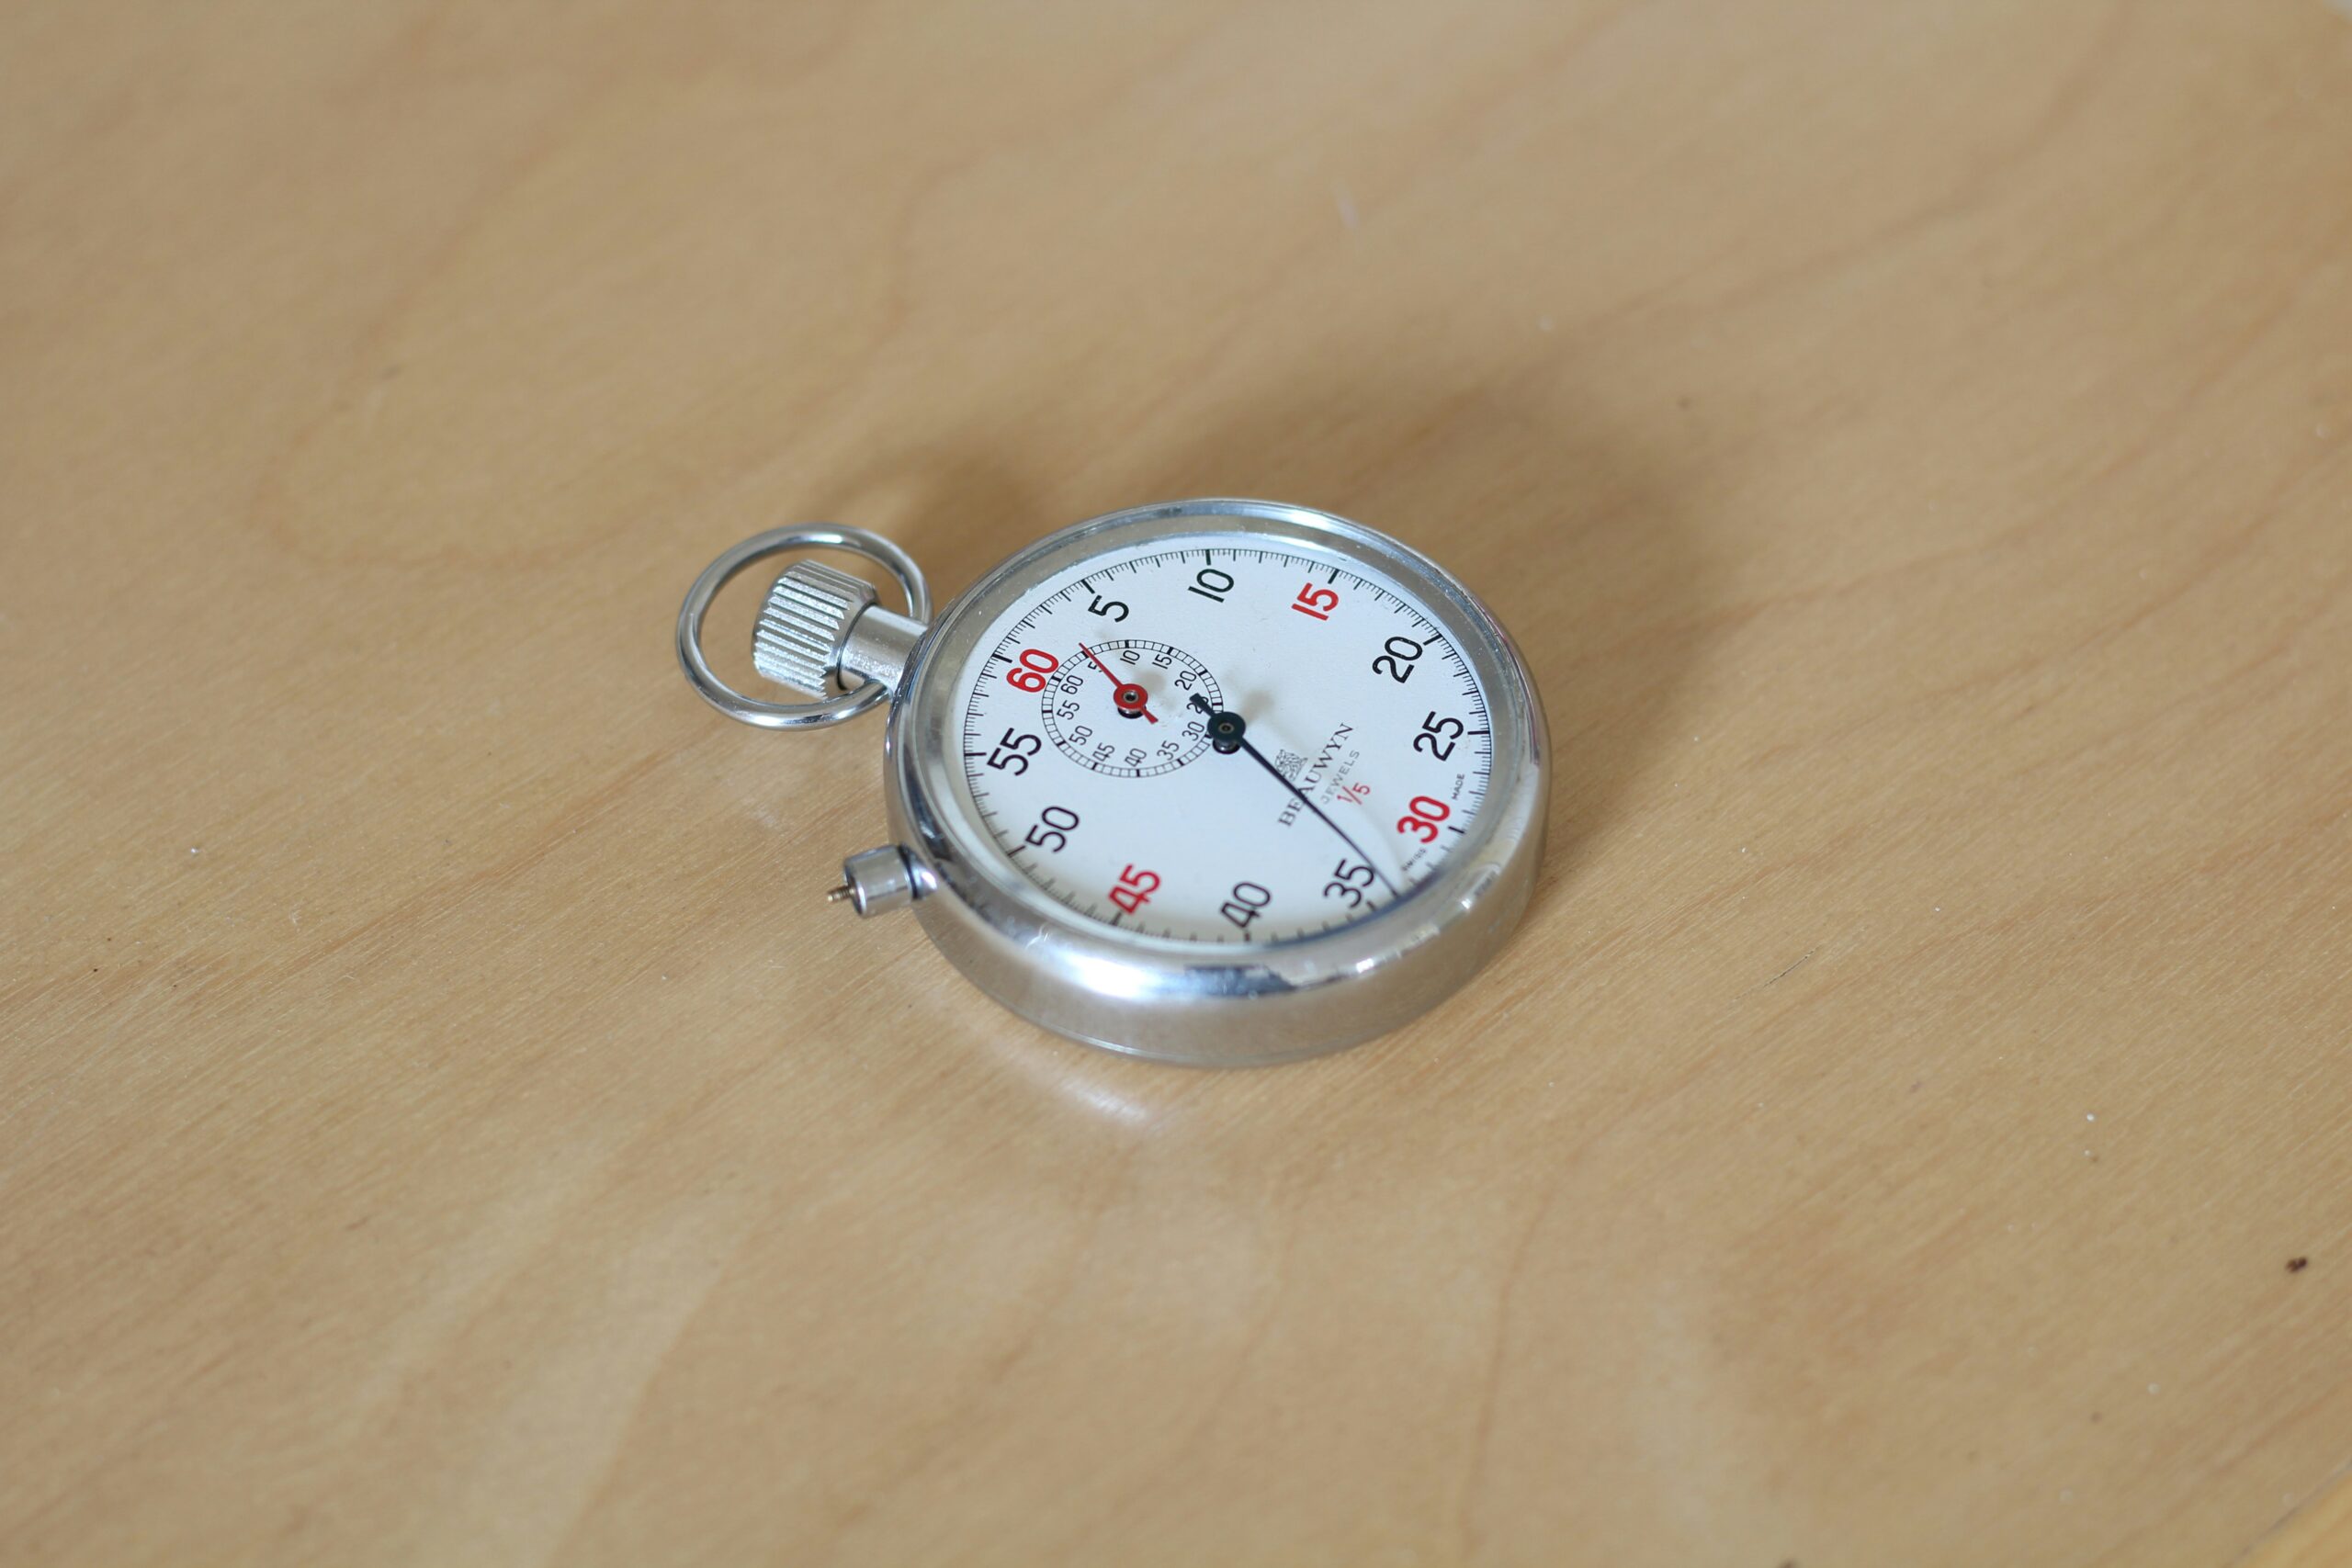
1217	782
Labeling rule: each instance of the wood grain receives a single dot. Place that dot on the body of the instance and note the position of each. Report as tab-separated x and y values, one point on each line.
441	1122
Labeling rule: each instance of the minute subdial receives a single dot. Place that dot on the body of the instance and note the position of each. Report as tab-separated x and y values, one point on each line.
1122	707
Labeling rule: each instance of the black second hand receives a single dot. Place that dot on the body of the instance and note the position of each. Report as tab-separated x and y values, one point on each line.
1242	742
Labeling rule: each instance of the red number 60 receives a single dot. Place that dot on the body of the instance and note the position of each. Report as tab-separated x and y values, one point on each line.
1031	672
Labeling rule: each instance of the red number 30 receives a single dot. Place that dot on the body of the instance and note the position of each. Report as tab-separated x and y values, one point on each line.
1422	821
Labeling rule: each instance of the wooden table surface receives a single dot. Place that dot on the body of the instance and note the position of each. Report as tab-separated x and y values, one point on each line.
441	1122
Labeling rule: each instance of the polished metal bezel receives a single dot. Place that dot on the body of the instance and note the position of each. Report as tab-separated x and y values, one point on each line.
1187	1001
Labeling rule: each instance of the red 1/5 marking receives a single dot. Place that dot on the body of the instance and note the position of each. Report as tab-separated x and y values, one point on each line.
1134	889
1423	817
1317	602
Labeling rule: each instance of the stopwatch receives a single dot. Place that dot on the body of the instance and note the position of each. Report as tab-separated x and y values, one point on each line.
1217	782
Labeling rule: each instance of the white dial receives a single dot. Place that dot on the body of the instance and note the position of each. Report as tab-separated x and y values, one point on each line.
1223	738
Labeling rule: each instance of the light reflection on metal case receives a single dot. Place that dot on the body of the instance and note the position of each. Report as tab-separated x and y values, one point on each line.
1182	1001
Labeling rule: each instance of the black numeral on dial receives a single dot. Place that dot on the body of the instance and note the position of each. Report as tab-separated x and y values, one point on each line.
1211	584
1396	660
1437	736
1013	752
1248	902
1349	879
1055	825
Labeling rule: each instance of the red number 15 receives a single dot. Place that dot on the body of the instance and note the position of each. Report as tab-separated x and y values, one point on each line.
1317	602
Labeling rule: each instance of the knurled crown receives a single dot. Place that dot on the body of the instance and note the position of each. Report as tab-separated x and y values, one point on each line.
809	610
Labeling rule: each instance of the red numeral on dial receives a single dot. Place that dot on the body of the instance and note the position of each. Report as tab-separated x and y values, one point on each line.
1317	602
1134	889
1031	672
1422	821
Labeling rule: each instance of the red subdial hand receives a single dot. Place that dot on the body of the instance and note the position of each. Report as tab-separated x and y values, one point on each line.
1129	698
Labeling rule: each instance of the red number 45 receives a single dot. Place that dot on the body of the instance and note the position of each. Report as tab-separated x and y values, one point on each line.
1134	889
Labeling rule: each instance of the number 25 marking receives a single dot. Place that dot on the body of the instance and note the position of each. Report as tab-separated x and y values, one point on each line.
1437	736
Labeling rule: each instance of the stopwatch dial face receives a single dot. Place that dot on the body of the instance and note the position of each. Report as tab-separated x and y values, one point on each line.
1223	737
